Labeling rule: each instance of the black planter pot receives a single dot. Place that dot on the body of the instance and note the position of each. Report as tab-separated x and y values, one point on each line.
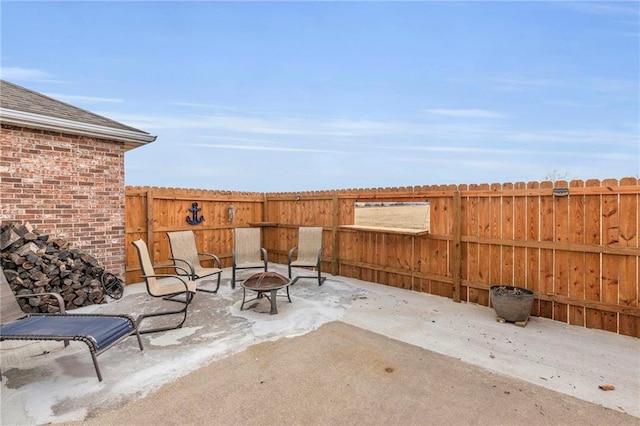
512	304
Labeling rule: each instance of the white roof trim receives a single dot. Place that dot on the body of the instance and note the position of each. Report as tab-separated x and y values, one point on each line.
26	119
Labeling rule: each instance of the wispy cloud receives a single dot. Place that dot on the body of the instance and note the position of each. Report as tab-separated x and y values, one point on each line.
573	104
190	104
525	84
362	134
83	99
466	113
292	125
25	74
611	85
582	137
605	8
260	148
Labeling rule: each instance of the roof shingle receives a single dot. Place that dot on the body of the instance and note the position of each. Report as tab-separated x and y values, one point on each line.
18	98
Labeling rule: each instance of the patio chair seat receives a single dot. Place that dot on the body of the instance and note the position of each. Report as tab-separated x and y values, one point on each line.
308	252
247	253
184	253
166	286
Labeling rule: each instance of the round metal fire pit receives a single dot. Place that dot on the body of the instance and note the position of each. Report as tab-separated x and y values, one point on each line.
263	283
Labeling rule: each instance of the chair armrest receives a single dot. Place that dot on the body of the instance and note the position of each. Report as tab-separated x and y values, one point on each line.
290	255
264	255
56	295
214	257
190	272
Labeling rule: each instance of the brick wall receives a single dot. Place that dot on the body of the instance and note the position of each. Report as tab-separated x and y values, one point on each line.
70	187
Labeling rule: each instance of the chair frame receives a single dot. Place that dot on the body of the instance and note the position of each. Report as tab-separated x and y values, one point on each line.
234	260
317	264
13	314
169	295
193	267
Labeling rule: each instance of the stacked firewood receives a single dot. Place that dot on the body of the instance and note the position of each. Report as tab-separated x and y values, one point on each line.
33	263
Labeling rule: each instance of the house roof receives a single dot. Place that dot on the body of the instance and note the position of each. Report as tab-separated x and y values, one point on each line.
23	107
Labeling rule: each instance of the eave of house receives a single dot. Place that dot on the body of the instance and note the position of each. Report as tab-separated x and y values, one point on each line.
130	138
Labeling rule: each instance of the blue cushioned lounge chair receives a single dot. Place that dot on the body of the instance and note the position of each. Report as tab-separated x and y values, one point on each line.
98	332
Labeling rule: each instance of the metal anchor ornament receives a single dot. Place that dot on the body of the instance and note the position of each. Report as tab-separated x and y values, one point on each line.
194	219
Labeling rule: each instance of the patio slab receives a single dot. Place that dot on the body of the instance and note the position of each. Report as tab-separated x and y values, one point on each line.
46	383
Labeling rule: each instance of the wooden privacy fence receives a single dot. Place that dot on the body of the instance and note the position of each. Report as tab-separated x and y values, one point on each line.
576	244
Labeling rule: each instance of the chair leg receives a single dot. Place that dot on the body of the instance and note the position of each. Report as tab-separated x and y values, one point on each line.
158	314
139	339
155	330
233	277
95	364
244	293
320	277
211	291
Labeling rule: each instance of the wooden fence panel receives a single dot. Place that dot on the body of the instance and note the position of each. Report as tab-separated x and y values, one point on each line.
484	254
507	268
520	234
577	260
421	256
152	212
546	254
495	233
533	252
473	248
578	251
593	317
610	263
465	206
630	268
562	265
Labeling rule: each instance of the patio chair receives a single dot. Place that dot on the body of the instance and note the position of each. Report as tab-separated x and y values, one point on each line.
247	252
309	252
167	286
98	332
184	252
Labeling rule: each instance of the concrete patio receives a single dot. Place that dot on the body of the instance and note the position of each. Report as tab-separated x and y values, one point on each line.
47	383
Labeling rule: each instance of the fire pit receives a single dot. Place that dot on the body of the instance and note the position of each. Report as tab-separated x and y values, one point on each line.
263	283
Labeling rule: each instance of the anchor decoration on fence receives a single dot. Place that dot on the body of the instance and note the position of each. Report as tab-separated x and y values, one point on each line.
194	219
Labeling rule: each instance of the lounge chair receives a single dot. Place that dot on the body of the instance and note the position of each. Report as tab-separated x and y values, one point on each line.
170	287
309	252
247	252
98	332
184	252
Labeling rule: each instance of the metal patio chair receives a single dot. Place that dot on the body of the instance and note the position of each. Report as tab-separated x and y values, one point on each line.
247	252
98	332
185	253
309	252
171	287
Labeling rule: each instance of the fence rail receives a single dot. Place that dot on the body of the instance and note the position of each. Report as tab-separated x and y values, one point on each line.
577	248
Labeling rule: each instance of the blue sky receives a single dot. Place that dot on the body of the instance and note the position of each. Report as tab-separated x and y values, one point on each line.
295	96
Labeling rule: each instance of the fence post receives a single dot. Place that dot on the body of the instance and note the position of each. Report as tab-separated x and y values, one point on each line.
457	244
335	224
150	217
